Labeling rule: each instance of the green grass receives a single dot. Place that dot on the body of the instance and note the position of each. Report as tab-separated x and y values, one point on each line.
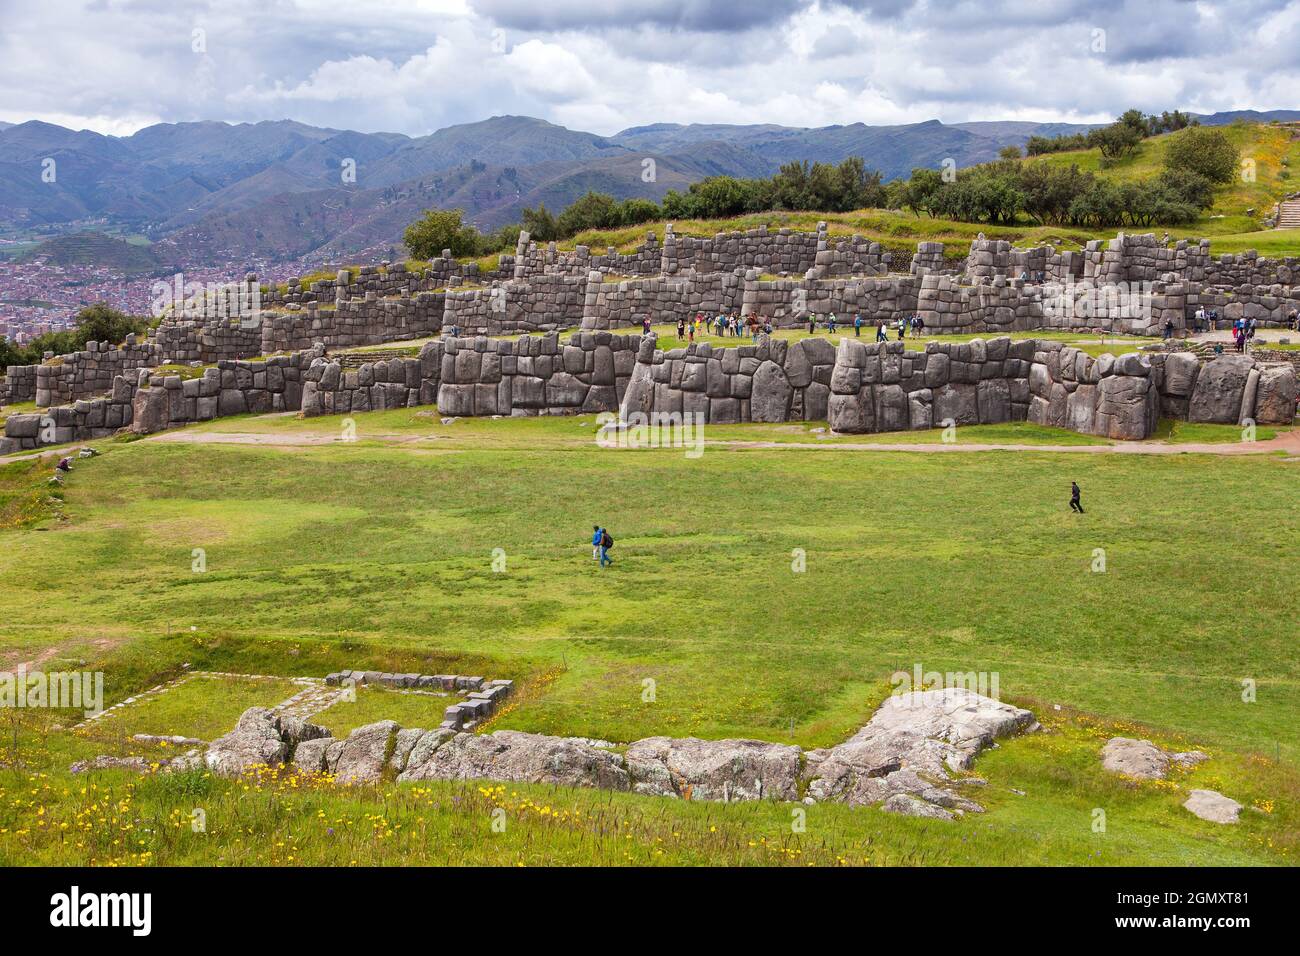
376	703
199	706
377	554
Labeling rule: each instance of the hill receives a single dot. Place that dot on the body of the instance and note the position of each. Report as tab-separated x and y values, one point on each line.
95	249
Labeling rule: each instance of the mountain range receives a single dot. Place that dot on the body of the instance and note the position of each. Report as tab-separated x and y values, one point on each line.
214	192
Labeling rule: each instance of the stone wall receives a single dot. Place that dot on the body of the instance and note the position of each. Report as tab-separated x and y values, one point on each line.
543	303
611	305
83	420
18	385
231	388
869	387
533	375
77	375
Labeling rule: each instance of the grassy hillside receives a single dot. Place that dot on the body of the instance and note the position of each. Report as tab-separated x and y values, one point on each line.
1274	150
95	249
379	554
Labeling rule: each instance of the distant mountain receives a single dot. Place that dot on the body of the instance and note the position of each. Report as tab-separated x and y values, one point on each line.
220	192
1250	116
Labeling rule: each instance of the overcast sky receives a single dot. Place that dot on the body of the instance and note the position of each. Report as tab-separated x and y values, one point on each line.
413	66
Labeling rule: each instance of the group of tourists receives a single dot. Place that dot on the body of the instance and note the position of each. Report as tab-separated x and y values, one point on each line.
723	324
1243	332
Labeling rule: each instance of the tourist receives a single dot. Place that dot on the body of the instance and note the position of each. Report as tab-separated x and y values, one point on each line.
857	325
919	323
1169	329
1075	505
1199	319
830	323
812	323
606	542
690	332
880	332
1293	321
595	542
64	465
902	329
645	325
681	329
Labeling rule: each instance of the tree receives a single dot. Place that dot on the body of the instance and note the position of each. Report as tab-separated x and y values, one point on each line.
593	211
1205	151
1009	152
540	224
1115	141
440	229
634	212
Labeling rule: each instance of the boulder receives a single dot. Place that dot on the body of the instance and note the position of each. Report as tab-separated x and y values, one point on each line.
916	733
1213	806
510	755
723	770
770	398
149	411
1275	399
255	741
365	752
1220	386
1140	759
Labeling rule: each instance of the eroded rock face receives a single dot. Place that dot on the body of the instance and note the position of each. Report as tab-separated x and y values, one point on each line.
1143	760
1213	806
510	755
365	752
909	746
1275	398
901	758
1140	759
723	770
1220	386
256	740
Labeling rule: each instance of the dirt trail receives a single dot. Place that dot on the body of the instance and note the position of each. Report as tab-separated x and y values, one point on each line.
1285	442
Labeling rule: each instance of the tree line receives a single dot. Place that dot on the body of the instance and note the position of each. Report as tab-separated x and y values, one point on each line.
94	323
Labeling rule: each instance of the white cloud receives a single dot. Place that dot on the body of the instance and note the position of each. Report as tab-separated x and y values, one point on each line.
414	65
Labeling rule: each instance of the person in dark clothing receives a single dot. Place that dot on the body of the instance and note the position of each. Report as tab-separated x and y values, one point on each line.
606	542
1075	505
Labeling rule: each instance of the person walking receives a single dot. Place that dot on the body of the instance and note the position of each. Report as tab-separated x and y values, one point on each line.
595	542
1075	504
880	333
830	323
606	542
857	325
645	325
681	329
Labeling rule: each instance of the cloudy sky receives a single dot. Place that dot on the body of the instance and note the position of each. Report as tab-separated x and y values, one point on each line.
413	66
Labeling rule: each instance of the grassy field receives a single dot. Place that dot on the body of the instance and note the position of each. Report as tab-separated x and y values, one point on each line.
378	554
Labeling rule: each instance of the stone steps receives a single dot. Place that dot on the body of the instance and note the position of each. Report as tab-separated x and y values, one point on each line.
1288	216
357	359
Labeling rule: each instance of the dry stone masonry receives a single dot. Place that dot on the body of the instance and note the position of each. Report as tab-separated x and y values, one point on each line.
1128	284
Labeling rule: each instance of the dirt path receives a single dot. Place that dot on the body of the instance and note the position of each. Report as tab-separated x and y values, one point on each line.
1286	442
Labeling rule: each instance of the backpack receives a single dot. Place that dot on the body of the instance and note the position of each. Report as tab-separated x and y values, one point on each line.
606	541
